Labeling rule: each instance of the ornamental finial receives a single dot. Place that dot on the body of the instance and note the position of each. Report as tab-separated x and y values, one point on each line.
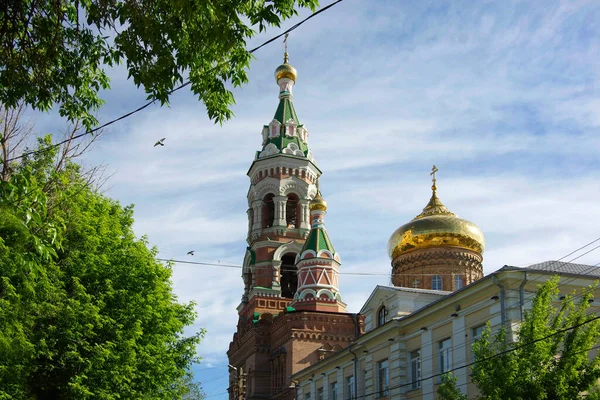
287	71
432	173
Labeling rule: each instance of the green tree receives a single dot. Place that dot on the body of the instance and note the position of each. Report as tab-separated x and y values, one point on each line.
86	311
52	52
448	389
550	357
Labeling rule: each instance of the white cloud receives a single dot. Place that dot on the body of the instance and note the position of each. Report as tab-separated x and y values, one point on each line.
501	95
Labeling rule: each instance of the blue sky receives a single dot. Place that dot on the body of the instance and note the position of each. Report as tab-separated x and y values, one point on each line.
503	96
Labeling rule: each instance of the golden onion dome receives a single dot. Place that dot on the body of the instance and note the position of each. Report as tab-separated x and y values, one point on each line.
285	70
318	203
436	226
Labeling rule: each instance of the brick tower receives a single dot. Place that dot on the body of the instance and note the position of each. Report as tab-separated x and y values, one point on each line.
291	313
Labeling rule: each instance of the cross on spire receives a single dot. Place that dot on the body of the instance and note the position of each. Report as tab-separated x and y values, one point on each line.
432	173
285	45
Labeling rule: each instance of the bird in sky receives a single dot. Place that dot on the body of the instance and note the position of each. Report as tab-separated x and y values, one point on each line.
190	253
160	142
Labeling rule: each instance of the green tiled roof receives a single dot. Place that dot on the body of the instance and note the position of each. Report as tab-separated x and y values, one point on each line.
285	111
282	141
318	240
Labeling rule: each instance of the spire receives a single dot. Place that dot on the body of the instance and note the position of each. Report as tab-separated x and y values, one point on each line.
285	134
435	206
318	266
285	74
318	239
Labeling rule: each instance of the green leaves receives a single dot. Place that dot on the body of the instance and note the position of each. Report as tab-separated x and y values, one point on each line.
54	51
85	309
549	360
448	389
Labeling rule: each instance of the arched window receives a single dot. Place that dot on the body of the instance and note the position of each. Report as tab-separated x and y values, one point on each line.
291	211
436	282
268	213
416	283
288	280
381	316
458	282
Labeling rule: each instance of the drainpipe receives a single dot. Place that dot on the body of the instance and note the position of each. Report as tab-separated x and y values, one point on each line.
355	370
502	294
522	296
357	334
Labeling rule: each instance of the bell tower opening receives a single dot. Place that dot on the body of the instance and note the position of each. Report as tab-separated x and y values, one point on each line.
291	211
289	276
268	211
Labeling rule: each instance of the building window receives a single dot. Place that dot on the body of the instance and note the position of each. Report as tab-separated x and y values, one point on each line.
476	333
458	282
381	316
416	283
475	336
307	396
320	394
445	356
382	378
333	391
350	394
436	282
415	369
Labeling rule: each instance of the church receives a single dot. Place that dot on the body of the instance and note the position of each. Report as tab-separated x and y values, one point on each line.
294	337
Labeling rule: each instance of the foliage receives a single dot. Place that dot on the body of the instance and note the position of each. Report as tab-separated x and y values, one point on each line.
85	309
448	389
548	360
53	51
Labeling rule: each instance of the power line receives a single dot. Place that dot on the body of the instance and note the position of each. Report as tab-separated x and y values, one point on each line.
187	83
341	273
465	328
470	381
596	317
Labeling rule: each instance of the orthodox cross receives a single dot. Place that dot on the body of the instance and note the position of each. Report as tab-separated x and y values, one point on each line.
432	173
285	41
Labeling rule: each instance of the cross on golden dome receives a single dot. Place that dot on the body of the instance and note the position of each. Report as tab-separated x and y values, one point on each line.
285	70
432	173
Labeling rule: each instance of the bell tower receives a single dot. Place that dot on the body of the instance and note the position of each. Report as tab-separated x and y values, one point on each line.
291	314
282	183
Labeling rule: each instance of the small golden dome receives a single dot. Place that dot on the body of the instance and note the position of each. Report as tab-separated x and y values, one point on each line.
285	70
318	203
436	226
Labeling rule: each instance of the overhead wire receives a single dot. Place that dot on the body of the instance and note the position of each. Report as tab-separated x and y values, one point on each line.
187	83
465	328
515	348
471	382
481	321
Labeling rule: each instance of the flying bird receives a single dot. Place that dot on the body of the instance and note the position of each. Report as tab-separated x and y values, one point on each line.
160	142
190	253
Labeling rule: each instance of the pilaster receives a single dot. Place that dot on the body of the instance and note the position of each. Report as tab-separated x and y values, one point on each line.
459	344
427	362
370	387
257	207
304	214
397	360
279	202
